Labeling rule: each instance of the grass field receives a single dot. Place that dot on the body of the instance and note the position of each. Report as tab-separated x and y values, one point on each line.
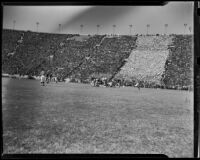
78	118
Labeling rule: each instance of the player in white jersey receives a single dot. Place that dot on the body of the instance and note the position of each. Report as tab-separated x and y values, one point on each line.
42	80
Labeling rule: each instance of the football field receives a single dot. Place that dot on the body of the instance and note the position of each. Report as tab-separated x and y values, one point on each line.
79	118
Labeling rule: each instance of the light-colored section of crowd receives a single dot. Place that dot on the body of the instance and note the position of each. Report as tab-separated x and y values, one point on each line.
153	42
147	61
140	66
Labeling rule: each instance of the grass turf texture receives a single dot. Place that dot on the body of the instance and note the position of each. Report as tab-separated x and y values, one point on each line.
78	118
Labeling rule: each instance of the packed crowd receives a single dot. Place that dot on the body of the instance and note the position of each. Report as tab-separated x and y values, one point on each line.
9	47
153	42
179	65
103	56
161	62
146	62
112	52
76	55
152	61
31	51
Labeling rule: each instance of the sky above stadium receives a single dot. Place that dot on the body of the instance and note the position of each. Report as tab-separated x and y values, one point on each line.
175	14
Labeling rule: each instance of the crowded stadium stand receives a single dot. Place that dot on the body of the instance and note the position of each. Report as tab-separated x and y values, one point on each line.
28	52
179	65
161	61
154	60
146	63
10	44
107	57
